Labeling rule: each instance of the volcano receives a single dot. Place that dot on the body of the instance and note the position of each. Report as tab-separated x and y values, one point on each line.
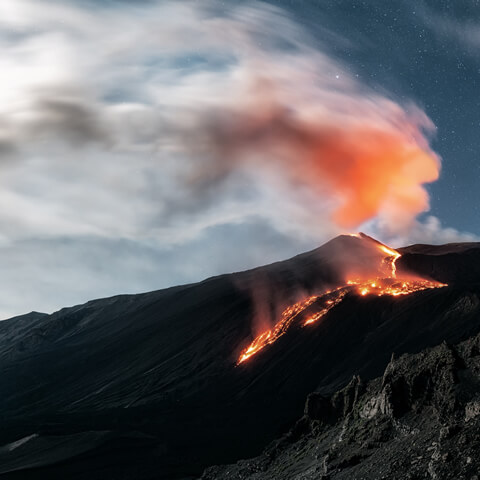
164	384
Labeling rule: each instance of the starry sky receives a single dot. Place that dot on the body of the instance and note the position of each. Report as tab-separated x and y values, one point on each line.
146	144
427	51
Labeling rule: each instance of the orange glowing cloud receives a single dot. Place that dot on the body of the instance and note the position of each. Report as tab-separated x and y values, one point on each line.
366	163
372	172
318	145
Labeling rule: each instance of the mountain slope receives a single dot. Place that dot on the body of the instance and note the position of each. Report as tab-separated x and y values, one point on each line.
147	386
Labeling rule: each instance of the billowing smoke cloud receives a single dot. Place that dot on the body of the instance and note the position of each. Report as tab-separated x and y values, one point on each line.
238	109
299	120
361	157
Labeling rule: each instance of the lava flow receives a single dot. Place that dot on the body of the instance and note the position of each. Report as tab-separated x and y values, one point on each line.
325	301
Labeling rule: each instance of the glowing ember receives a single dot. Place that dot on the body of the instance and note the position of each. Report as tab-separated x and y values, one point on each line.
328	300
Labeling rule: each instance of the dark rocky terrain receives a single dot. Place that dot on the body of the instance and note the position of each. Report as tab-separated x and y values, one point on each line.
147	387
421	419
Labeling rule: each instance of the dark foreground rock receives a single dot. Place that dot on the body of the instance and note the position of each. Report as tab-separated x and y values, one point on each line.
421	419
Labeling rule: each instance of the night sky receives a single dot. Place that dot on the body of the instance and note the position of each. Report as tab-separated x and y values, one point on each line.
146	144
426	51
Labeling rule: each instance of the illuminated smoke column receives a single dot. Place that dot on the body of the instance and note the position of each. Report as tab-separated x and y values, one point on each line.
359	163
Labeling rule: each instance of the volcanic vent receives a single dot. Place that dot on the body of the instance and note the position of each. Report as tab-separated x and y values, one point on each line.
379	281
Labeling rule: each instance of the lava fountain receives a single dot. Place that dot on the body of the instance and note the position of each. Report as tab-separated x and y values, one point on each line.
390	285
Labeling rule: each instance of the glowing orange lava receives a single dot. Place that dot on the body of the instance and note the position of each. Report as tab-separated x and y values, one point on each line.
393	256
393	287
325	301
268	337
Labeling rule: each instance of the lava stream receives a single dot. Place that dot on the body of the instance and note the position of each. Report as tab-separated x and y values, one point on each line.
393	256
391	286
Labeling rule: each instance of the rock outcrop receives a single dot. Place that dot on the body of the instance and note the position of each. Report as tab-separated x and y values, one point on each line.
421	419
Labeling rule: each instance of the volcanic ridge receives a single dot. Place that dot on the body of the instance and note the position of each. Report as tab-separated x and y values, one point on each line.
293	359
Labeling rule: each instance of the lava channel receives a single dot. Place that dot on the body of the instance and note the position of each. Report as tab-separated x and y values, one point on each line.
390	285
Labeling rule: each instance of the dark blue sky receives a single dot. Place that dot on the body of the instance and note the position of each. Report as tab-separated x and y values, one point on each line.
427	51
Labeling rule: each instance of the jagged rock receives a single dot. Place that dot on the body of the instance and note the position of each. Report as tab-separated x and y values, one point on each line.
472	410
421	419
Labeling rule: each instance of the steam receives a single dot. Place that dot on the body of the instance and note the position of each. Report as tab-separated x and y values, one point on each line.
294	120
232	114
357	169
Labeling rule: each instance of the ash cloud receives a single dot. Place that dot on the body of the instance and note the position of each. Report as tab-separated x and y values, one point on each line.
231	106
358	170
295	120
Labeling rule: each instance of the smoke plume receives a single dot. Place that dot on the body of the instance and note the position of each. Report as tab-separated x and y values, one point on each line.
359	168
243	113
295	120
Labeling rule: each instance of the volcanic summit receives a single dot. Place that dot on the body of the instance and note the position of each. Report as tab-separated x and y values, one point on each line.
164	384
